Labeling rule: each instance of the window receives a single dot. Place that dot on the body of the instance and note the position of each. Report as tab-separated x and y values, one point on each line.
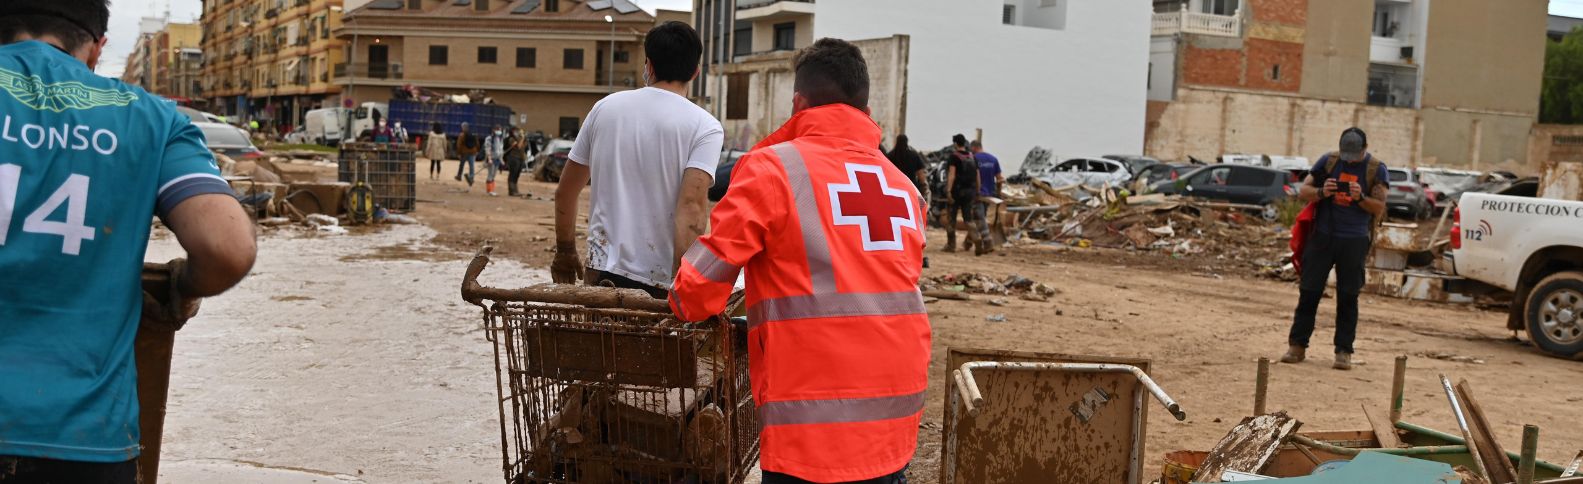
486	55
737	86
572	59
1250	177
742	39
552	6
1275	72
414	4
1219	7
785	36
1399	176
527	57
622	57
481	5
439	55
1008	14
1213	176
1388	19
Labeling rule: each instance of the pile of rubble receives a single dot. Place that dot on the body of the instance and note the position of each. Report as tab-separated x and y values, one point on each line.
974	283
1178	226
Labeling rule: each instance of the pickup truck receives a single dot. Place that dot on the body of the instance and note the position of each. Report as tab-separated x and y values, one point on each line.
1531	249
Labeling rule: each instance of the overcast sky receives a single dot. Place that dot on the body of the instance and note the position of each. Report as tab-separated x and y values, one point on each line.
124	16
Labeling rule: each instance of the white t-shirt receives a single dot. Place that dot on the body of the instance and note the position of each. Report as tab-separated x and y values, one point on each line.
636	144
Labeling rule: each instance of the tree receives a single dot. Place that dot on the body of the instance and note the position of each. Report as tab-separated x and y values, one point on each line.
1561	97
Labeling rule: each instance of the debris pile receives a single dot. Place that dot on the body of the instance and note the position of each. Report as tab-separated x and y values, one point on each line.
974	283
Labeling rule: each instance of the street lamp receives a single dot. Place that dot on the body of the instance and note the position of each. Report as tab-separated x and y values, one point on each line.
610	69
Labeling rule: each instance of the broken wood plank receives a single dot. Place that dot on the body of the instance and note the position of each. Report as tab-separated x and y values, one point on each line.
945	294
1499	467
1247	447
1383	430
1572	469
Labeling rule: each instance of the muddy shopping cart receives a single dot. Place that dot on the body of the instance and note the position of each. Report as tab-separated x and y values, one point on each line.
601	385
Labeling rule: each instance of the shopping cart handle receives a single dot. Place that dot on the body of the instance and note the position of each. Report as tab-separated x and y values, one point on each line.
586	296
470	287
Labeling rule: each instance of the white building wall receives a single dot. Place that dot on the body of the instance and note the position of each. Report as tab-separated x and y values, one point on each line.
1078	91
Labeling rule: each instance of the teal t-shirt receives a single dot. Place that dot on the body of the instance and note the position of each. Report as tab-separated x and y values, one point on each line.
85	162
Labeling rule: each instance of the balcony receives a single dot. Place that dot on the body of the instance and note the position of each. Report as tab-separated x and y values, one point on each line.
754	10
620	79
368	71
1171	23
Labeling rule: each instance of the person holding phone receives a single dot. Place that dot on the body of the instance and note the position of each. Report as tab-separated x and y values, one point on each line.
1350	187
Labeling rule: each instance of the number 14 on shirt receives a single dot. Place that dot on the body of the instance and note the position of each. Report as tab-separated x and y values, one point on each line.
73	193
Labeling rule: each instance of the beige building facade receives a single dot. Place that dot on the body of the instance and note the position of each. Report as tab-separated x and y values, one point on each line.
550	61
1442	82
166	59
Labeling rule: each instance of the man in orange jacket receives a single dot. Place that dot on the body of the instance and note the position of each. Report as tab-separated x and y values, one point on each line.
830	233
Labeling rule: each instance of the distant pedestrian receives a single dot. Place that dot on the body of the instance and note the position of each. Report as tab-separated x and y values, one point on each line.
910	162
382	133
516	159
494	154
398	134
990	180
467	147
435	150
962	192
1341	237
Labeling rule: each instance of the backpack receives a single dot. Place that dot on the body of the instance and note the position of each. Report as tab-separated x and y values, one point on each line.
1304	225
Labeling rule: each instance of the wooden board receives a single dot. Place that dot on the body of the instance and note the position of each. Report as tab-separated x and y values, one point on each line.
1383	430
1496	464
1248	446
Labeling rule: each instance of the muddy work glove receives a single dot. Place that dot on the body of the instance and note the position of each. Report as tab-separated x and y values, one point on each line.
567	268
165	307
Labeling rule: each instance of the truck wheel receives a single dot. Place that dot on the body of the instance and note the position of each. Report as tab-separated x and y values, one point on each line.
1554	314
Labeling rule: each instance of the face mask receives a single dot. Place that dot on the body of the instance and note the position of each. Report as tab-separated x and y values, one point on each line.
647	80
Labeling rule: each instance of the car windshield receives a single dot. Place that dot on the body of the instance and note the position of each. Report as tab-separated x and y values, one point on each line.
225	137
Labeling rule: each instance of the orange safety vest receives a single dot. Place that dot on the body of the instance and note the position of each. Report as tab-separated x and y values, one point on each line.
831	236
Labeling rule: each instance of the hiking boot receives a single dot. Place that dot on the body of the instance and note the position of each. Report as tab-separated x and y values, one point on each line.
1295	354
1343	361
950	243
458	177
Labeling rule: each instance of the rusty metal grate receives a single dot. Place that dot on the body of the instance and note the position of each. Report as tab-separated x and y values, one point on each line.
616	395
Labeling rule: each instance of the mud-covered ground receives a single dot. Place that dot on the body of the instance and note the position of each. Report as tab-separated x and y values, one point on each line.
354	355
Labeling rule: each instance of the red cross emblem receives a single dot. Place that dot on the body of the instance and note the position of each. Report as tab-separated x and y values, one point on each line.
868	202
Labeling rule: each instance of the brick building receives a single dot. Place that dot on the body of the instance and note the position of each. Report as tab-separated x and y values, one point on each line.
549	60
164	59
1451	82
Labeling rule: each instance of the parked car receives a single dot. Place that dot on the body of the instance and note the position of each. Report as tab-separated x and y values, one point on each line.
229	141
548	165
1165	172
1234	183
728	162
199	116
1089	172
1407	195
1135	164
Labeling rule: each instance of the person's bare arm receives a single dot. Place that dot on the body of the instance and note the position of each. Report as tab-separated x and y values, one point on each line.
220	242
950	183
692	212
1309	193
573	178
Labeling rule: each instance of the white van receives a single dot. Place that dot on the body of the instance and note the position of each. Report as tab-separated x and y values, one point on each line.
325	126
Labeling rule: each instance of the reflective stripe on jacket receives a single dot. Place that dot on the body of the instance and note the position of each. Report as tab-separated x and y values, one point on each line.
830	235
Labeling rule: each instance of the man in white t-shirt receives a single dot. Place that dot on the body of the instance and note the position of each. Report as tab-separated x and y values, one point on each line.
651	154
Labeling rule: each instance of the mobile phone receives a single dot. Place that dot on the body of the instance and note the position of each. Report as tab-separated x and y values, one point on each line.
1344	187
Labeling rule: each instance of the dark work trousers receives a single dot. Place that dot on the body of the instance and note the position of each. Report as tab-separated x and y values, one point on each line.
900	477
969	215
1347	256
514	172
595	277
31	470
434	167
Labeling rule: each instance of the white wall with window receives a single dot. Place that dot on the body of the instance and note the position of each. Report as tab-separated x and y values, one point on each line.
1078	90
1043	14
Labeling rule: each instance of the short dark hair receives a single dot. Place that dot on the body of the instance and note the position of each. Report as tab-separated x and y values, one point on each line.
75	22
673	49
832	71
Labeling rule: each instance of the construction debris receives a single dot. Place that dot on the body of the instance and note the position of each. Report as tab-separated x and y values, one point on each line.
954	287
1247	447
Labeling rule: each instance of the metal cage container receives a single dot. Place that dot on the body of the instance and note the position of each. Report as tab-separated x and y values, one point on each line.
599	385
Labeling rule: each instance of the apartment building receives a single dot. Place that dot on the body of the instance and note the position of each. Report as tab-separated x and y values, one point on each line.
165	59
1452	82
549	60
270	59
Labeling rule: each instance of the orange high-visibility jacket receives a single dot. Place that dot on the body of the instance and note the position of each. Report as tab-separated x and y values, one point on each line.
830	233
